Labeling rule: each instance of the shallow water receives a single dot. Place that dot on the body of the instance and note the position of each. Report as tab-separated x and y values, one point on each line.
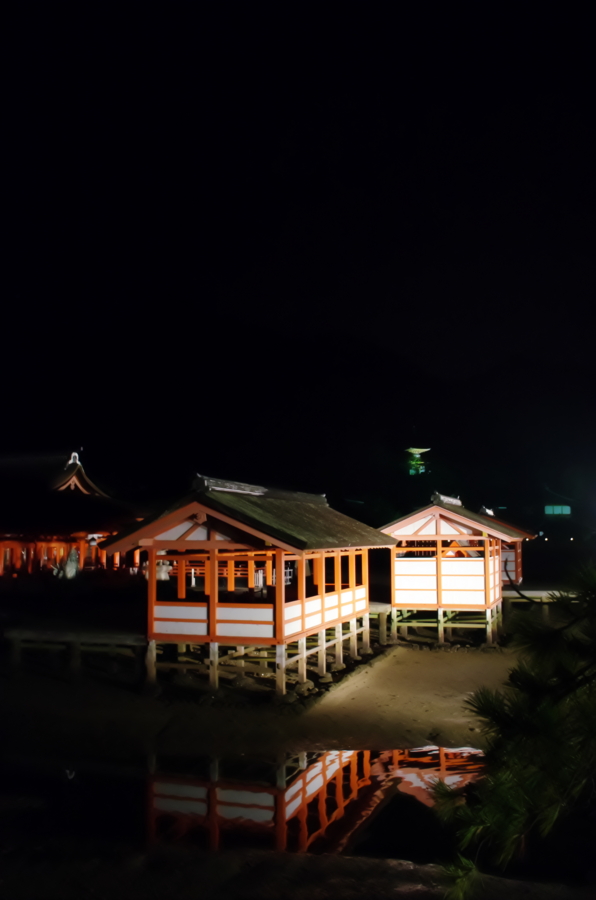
359	802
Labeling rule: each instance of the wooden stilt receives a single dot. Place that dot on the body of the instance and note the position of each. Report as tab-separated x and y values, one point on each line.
353	640
322	659
441	626
241	651
489	629
302	760
301	659
394	626
366	634
214	665
280	669
150	661
339	647
383	629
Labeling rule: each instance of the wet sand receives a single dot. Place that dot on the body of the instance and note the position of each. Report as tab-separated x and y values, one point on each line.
403	698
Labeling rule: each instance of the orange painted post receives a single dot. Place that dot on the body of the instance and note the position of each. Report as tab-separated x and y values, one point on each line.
103	557
213	594
439	576
365	573
280	585
518	562
352	569
181	578
251	573
151	590
301	566
136	558
486	571
230	575
82	553
319	567
337	579
269	569
1	559
393	558
116	560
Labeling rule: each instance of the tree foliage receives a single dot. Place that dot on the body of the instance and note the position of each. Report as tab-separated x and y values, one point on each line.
541	739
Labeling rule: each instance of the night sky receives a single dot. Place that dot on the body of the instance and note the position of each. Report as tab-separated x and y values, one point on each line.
279	246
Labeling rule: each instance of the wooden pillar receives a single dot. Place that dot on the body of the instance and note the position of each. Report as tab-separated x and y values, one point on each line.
352	569
489	627
339	646
353	640
366	633
240	651
439	574
231	579
280	594
382	628
337	579
403	630
486	572
212	564
151	589
302	659
1	559
116	560
136	558
281	829
440	625
251	573
301	575
103	557
319	570
269	569
181	578
82	553
150	663
280	669
213	665
321	654
518	562
365	574
392	559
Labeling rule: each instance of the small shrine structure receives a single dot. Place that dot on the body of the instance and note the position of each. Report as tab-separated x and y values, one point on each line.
451	563
50	507
257	579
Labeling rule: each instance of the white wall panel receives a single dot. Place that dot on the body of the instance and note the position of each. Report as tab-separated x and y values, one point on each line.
248	613
190	628
331	600
360	604
311	621
463	567
331	614
240	629
474	598
463	582
413	598
250	798
413	582
347	610
347	596
313	605
423	566
359	593
180	612
292	612
293	627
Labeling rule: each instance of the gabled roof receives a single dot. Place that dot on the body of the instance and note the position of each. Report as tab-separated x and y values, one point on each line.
44	496
290	519
491	525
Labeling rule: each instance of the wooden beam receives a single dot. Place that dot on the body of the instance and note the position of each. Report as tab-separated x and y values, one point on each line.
182	579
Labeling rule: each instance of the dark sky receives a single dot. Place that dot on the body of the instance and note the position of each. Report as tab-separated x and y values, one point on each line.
273	246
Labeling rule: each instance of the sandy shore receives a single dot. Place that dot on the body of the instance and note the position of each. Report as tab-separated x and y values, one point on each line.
404	698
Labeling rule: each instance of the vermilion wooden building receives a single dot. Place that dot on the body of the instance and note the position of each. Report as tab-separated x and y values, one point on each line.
235	567
49	507
451	562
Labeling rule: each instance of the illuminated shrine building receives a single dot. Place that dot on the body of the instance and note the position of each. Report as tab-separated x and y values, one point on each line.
416	465
451	563
239	567
50	507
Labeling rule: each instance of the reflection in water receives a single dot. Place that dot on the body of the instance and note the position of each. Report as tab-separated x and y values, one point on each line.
314	801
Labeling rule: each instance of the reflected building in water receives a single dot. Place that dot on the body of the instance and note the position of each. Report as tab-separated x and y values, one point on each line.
309	802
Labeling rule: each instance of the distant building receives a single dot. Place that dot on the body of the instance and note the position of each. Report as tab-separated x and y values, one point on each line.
50	507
